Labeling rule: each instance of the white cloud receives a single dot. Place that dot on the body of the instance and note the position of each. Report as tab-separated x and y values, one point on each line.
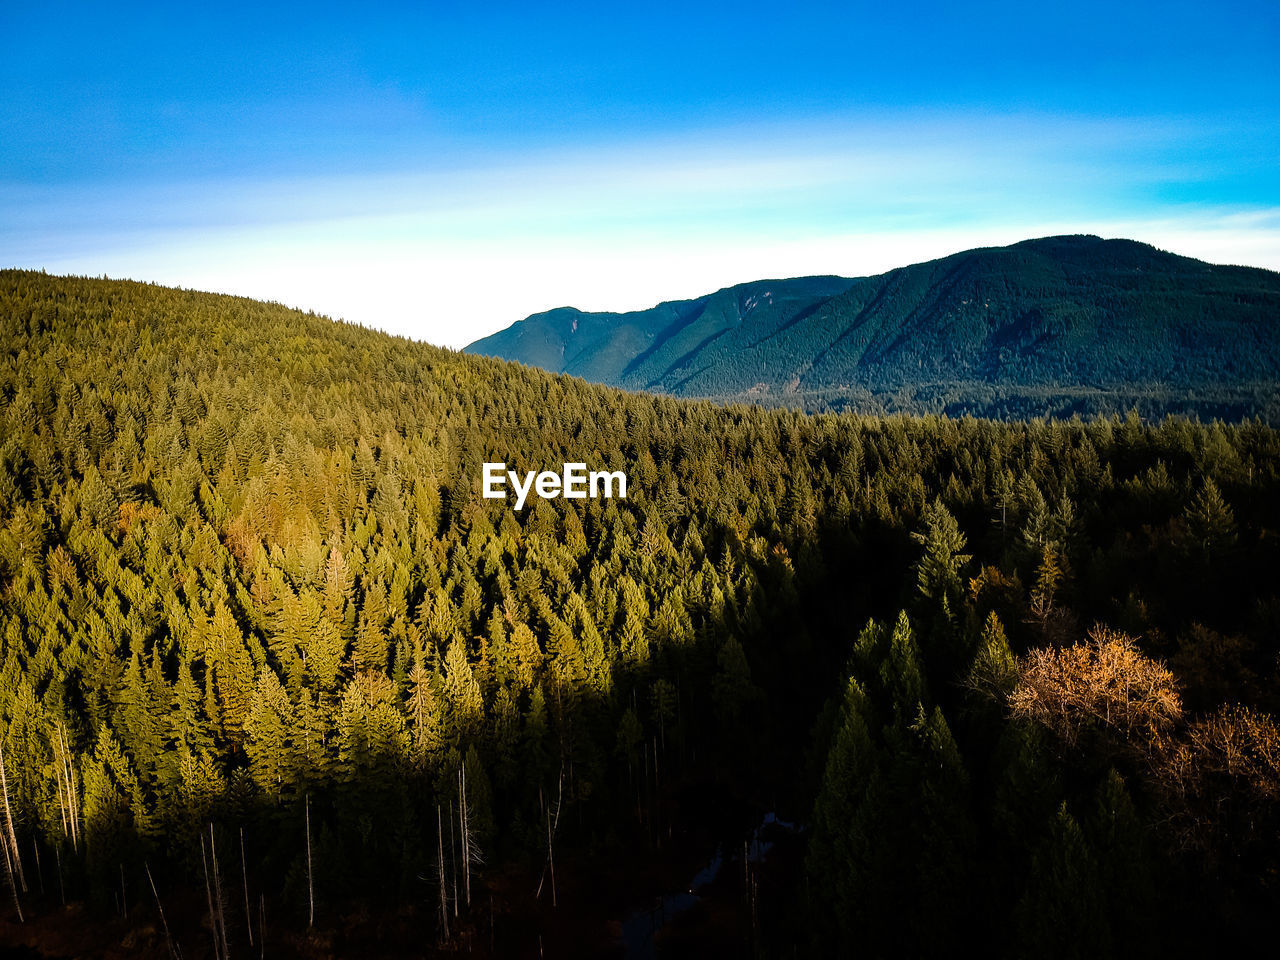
455	252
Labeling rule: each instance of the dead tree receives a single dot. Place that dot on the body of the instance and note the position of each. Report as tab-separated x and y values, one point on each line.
68	796
10	837
208	892
244	876
440	871
311	890
552	825
471	853
173	952
464	833
217	891
453	855
8	863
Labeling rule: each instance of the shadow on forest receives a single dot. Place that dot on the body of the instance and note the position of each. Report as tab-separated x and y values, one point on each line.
624	828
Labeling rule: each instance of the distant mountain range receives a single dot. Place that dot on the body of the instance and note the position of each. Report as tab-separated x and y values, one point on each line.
1054	326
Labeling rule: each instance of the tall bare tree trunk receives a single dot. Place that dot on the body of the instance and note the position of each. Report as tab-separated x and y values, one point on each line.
217	890
11	837
464	819
311	890
8	863
244	875
35	849
62	803
69	782
75	793
160	907
551	860
444	890
208	892
453	855
551	830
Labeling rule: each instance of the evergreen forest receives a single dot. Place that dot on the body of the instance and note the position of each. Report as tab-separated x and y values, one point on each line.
275	679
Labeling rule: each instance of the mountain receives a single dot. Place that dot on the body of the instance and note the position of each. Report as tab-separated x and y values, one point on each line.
1057	326
653	349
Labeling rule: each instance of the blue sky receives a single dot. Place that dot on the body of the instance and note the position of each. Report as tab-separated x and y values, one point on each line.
441	170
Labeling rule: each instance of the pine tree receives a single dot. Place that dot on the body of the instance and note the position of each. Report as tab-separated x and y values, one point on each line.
527	655
267	735
1211	525
138	718
187	724
311	739
994	671
900	674
463	703
424	716
834	853
371	736
370	652
114	806
938	572
232	669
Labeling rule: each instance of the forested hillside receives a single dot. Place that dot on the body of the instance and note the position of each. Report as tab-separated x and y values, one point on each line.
275	678
646	349
1048	327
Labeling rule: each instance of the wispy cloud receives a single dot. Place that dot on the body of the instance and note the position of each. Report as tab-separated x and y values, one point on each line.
461	246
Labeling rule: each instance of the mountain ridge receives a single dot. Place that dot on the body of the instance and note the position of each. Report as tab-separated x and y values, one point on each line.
1052	325
621	347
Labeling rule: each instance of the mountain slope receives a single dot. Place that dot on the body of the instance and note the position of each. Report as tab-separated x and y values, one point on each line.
652	349
1055	325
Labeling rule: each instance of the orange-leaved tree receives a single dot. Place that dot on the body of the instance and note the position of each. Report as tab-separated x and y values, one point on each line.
1103	683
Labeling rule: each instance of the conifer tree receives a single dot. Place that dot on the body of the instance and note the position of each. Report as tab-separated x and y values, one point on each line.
1211	526
267	734
424	716
994	671
370	652
463	703
938	573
